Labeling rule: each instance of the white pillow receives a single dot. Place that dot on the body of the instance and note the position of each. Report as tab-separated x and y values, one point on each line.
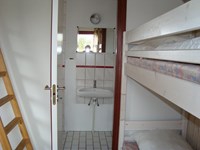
160	140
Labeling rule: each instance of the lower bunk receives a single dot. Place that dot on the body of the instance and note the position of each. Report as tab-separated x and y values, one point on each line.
178	83
130	145
156	135
157	140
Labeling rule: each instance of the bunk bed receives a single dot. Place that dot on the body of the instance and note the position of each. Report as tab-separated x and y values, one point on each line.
163	55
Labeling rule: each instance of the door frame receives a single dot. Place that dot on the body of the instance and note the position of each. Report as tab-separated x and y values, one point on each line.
121	27
53	74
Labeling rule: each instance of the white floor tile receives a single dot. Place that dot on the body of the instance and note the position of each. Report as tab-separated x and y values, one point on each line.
89	147
104	147
85	140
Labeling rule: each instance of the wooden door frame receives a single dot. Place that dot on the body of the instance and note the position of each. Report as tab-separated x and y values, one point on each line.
121	27
53	74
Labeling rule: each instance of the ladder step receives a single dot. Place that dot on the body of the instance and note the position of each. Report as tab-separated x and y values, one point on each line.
6	99
22	144
2	73
12	124
18	120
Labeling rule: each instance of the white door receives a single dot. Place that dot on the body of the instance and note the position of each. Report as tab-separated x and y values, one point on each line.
54	28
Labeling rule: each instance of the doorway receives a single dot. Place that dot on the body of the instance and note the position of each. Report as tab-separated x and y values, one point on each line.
69	65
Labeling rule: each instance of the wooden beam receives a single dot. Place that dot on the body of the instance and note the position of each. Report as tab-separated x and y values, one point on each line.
12	124
121	27
3	137
179	55
153	125
22	144
2	73
6	99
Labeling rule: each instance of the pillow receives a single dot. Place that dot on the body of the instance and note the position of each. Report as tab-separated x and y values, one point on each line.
160	140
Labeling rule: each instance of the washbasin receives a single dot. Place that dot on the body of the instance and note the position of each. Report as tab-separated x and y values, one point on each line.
94	93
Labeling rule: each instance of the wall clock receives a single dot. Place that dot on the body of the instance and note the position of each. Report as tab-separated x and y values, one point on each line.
95	18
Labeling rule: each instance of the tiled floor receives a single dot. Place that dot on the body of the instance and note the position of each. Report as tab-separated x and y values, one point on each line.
74	140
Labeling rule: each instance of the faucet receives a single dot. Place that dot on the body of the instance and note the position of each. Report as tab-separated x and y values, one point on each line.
94	83
94	100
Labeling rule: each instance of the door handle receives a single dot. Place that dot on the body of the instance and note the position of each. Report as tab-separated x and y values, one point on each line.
60	87
47	87
53	90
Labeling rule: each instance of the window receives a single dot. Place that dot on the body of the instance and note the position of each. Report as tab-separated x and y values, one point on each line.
86	42
92	40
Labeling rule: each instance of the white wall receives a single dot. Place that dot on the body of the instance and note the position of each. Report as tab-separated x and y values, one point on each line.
78	12
142	104
25	41
141	11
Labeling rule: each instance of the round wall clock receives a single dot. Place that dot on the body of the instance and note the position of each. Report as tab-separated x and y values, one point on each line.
95	18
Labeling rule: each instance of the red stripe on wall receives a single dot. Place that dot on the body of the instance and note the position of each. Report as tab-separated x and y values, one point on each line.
90	66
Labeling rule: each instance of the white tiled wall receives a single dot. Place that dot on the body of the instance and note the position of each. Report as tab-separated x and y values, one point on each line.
90	58
109	59
104	76
100	59
61	93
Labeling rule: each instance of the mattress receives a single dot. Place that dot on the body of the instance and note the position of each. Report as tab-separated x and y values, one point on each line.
183	71
129	145
156	140
186	42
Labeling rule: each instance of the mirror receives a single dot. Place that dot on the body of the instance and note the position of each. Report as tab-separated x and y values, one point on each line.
96	40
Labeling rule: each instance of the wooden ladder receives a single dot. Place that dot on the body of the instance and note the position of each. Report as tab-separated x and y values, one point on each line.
18	120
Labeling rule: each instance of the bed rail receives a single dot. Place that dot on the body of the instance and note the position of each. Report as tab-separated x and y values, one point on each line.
153	125
185	18
190	56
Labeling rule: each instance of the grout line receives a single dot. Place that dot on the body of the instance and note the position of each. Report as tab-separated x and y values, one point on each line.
86	139
65	141
93	139
63	112
79	139
106	140
85	80
99	141
72	140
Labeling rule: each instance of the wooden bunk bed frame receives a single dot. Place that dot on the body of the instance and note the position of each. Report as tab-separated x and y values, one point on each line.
183	19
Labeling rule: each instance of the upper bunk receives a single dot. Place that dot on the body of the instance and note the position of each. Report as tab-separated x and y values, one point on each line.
164	56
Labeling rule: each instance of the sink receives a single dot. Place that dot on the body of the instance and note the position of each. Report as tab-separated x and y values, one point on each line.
94	93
